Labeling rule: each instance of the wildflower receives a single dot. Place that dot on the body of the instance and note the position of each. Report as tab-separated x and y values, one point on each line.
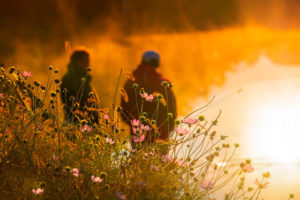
103	174
170	115
25	74
181	131
167	158
135	123
121	196
147	97
96	179
190	121
54	157
86	128
201	118
37	191
136	131
75	172
139	139
106	116
207	185
109	140
164	83
145	127
154	167
182	163
248	168
1	96
119	108
266	175
261	185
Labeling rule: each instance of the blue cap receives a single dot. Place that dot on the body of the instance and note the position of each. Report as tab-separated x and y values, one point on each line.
150	55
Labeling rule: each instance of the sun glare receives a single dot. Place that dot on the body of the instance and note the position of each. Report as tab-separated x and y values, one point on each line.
274	131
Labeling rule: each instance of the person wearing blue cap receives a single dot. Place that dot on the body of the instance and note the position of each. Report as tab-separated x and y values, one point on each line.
150	83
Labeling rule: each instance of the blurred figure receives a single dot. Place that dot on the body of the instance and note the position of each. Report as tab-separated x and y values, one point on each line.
76	92
147	77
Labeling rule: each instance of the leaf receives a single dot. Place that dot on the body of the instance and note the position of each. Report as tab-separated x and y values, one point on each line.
130	76
124	94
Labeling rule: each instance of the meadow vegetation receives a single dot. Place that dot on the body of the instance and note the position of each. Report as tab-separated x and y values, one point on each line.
44	157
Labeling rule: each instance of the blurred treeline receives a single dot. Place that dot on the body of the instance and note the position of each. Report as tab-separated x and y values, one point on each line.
55	21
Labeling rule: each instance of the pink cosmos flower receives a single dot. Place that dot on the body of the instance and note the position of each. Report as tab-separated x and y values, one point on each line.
261	185
182	163
136	131
25	74
75	172
96	179
248	168
154	167
37	191
106	116
1	96
206	185
139	139
121	196
54	157
135	123
145	127
190	121
147	97
181	131
109	140
86	128
167	158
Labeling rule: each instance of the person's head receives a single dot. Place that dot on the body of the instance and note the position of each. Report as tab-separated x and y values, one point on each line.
151	58
80	59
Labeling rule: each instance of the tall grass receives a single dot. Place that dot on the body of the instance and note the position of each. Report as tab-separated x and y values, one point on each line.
44	157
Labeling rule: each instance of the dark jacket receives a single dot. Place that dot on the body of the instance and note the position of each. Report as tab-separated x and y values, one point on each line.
74	89
148	78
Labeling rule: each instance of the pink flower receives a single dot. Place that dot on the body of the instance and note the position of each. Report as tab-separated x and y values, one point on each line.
248	168
54	157
25	74
136	131
261	185
75	172
135	123
109	140
139	139
145	127
1	96
96	179
86	128
181	131
121	196
147	97
167	158
37	191
154	167
190	121
182	163
106	116
206	185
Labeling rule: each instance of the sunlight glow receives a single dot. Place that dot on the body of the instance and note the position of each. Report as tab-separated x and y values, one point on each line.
275	129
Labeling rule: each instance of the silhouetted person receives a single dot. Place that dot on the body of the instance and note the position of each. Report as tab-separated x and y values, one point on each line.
147	77
76	89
